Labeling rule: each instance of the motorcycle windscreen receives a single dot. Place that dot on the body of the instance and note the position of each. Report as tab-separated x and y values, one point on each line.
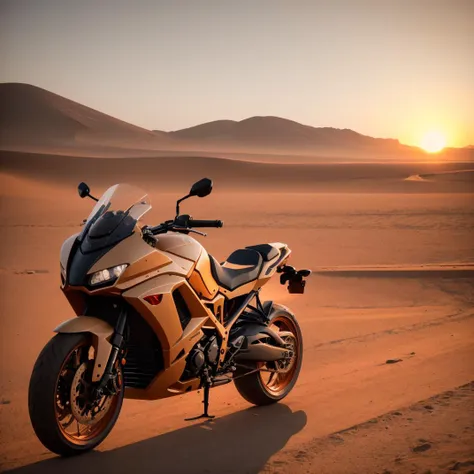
114	217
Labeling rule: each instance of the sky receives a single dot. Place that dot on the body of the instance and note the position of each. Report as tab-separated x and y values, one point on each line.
385	68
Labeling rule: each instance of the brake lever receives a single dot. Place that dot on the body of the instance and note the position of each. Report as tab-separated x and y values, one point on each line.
185	229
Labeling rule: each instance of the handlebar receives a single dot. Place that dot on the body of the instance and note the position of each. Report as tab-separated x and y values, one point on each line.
205	223
181	223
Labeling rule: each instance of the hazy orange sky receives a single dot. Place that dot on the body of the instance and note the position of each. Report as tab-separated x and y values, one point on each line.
385	68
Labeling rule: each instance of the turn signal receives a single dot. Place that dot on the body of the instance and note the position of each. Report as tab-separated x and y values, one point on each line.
153	299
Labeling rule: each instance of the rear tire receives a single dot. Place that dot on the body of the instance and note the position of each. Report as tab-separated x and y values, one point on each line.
253	387
44	393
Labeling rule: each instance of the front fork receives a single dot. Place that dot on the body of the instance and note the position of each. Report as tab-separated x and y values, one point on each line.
116	341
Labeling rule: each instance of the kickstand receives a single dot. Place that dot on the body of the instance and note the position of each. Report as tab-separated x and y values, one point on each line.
207	388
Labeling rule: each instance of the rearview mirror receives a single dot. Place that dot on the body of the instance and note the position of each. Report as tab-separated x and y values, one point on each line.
201	188
83	190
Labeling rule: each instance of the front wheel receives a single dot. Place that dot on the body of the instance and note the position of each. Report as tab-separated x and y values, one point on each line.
270	382
65	416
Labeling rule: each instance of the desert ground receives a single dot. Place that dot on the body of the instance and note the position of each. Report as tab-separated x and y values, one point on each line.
392	252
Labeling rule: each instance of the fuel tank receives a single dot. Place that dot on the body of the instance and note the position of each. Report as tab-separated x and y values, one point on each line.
181	245
184	246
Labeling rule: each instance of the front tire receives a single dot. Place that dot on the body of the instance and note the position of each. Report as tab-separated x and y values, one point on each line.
57	397
255	387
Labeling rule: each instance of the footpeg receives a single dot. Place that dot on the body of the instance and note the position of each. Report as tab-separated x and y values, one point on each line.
294	278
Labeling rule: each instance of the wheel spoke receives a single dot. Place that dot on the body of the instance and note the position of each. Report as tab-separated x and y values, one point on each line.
76	417
285	368
272	379
77	358
69	421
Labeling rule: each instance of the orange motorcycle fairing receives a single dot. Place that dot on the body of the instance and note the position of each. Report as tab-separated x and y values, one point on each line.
169	272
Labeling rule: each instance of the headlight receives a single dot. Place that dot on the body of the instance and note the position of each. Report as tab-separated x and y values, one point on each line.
111	273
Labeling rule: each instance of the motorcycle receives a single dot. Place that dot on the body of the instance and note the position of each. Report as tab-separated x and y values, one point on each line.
157	316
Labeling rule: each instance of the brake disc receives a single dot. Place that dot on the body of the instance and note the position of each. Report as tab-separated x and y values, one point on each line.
85	410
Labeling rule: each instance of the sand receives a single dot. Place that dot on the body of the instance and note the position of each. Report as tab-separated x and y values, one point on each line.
393	262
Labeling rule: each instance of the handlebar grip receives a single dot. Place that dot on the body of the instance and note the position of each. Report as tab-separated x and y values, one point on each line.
154	230
205	223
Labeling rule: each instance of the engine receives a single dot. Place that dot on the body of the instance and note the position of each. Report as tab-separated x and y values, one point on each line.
204	353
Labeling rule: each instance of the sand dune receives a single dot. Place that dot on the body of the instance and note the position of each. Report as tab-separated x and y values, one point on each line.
35	120
393	280
454	270
418	438
460	175
284	136
169	171
32	116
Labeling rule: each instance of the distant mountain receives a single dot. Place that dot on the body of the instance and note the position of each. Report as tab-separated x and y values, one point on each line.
34	119
278	134
30	115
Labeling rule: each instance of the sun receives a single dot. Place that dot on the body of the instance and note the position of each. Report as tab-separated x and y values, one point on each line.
433	141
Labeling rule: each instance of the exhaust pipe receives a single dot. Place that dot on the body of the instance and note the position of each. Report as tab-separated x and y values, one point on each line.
262	352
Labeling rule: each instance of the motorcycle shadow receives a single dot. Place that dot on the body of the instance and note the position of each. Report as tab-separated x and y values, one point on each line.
238	443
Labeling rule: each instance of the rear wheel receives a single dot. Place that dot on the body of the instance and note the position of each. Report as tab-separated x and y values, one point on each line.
274	380
66	416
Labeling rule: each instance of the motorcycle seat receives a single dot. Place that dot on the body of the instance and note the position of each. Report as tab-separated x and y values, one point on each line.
267	251
241	267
